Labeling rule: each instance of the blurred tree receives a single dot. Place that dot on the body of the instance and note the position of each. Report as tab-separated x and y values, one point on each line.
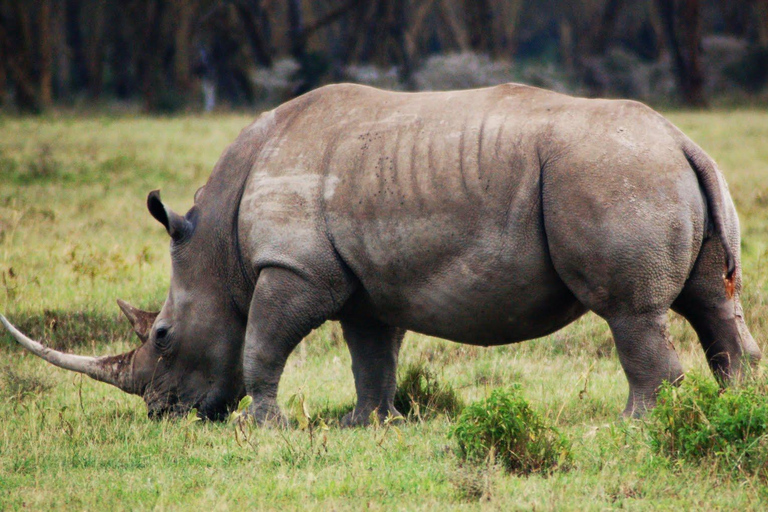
45	51
147	20
94	45
606	27
506	20
682	25
183	14
152	50
479	16
760	8
27	57
255	22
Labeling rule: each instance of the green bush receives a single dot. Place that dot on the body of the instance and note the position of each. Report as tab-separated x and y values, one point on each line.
699	420
420	394
504	427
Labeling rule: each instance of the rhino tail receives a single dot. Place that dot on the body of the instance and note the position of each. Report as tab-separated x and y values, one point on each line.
715	190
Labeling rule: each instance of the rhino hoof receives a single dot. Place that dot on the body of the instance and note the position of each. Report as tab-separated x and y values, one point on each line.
367	417
268	417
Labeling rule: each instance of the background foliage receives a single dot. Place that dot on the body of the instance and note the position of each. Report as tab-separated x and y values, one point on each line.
167	55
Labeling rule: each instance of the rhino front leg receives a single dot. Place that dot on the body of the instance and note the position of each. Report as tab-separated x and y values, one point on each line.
284	309
374	348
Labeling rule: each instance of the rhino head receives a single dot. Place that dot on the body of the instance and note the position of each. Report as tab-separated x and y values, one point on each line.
191	350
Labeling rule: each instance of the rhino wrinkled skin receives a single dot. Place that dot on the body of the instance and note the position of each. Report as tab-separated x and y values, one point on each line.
486	217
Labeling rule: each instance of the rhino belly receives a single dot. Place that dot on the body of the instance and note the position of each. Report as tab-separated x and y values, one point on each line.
483	313
484	288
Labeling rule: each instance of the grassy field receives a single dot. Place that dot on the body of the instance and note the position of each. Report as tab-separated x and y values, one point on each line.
75	235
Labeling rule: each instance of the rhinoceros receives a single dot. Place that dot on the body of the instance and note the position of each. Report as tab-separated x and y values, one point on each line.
486	217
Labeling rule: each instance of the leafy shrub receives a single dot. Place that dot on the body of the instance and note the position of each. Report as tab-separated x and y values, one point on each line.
505	427
420	394
698	420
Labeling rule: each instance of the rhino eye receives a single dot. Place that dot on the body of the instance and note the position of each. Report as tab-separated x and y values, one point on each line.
161	337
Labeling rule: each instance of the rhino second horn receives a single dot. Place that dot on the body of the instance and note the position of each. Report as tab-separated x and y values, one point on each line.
115	370
140	320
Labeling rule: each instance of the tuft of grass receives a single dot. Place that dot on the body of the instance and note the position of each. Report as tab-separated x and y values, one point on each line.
20	385
332	413
505	427
420	394
698	420
472	482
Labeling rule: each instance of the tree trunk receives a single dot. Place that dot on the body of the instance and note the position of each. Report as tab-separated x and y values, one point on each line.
455	29
148	21
18	51
123	54
46	54
252	17
185	11
355	33
682	25
761	18
398	31
479	16
606	27
3	82
78	72
60	50
3	71
296	30
417	24
566	44
94	48
506	23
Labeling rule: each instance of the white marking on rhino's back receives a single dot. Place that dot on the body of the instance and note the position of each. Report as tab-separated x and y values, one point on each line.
330	187
262	124
291	182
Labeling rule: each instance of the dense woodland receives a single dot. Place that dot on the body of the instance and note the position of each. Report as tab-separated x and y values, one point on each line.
167	55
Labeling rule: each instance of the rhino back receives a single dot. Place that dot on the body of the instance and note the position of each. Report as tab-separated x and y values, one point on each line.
431	200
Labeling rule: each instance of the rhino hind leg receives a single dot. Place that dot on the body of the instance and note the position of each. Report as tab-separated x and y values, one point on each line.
284	309
374	348
716	317
647	356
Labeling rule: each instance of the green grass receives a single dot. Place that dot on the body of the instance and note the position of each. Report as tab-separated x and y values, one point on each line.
75	235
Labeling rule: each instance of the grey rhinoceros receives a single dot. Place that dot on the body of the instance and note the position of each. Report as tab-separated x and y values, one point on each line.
486	217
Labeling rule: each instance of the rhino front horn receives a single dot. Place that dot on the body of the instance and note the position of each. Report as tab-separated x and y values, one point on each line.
115	370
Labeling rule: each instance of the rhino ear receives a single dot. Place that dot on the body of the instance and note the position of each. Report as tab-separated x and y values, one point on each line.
141	321
176	225
199	193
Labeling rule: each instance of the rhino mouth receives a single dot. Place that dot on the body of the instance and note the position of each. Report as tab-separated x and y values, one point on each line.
171	406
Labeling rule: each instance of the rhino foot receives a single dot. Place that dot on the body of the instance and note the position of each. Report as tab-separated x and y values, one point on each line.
362	417
267	415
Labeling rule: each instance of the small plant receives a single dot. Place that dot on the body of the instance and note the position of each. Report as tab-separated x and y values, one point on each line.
239	418
419	394
699	420
505	427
